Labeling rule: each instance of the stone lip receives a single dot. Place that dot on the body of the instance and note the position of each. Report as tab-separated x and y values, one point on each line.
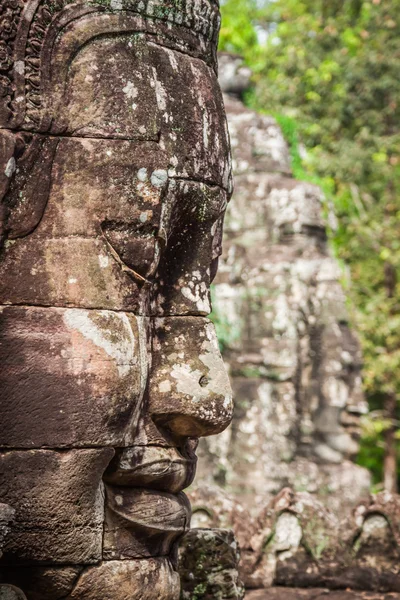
143	523
153	467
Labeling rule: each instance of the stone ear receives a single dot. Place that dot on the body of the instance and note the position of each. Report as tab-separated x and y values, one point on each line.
28	192
7	170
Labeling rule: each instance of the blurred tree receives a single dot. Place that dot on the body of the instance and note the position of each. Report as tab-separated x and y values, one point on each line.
237	32
331	68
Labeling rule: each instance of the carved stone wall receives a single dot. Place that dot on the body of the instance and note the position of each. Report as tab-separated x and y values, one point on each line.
295	541
295	369
282	320
280	593
114	179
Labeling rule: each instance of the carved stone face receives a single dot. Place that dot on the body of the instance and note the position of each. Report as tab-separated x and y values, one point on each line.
293	361
340	403
112	220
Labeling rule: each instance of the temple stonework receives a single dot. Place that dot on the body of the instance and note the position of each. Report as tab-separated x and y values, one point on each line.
283	475
282	321
114	179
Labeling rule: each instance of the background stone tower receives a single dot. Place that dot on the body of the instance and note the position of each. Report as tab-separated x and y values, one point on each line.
283	325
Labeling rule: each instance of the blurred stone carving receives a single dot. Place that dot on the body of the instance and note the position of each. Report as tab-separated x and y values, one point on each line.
115	175
282	320
296	541
359	551
283	593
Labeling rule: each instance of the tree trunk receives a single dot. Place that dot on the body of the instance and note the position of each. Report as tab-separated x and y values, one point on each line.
390	458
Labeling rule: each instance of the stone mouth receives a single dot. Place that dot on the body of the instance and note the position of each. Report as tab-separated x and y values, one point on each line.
143	523
165	475
160	468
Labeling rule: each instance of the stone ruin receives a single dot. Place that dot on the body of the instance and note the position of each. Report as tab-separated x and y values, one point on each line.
281	313
114	182
283	475
115	175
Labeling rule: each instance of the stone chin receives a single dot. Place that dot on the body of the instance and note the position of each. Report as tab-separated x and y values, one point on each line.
146	509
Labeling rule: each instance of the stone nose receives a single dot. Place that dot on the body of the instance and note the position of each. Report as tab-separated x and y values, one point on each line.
189	390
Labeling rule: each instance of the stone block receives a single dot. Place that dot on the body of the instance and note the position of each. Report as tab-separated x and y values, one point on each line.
208	565
149	579
9	592
42	583
257	141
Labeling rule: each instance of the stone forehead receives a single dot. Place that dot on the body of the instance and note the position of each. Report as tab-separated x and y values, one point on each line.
36	27
201	17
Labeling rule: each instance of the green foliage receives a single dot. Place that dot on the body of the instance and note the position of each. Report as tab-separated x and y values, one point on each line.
237	32
329	72
290	131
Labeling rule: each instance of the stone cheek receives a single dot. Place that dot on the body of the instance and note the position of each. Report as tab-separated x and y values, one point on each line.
109	251
92	254
77	377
